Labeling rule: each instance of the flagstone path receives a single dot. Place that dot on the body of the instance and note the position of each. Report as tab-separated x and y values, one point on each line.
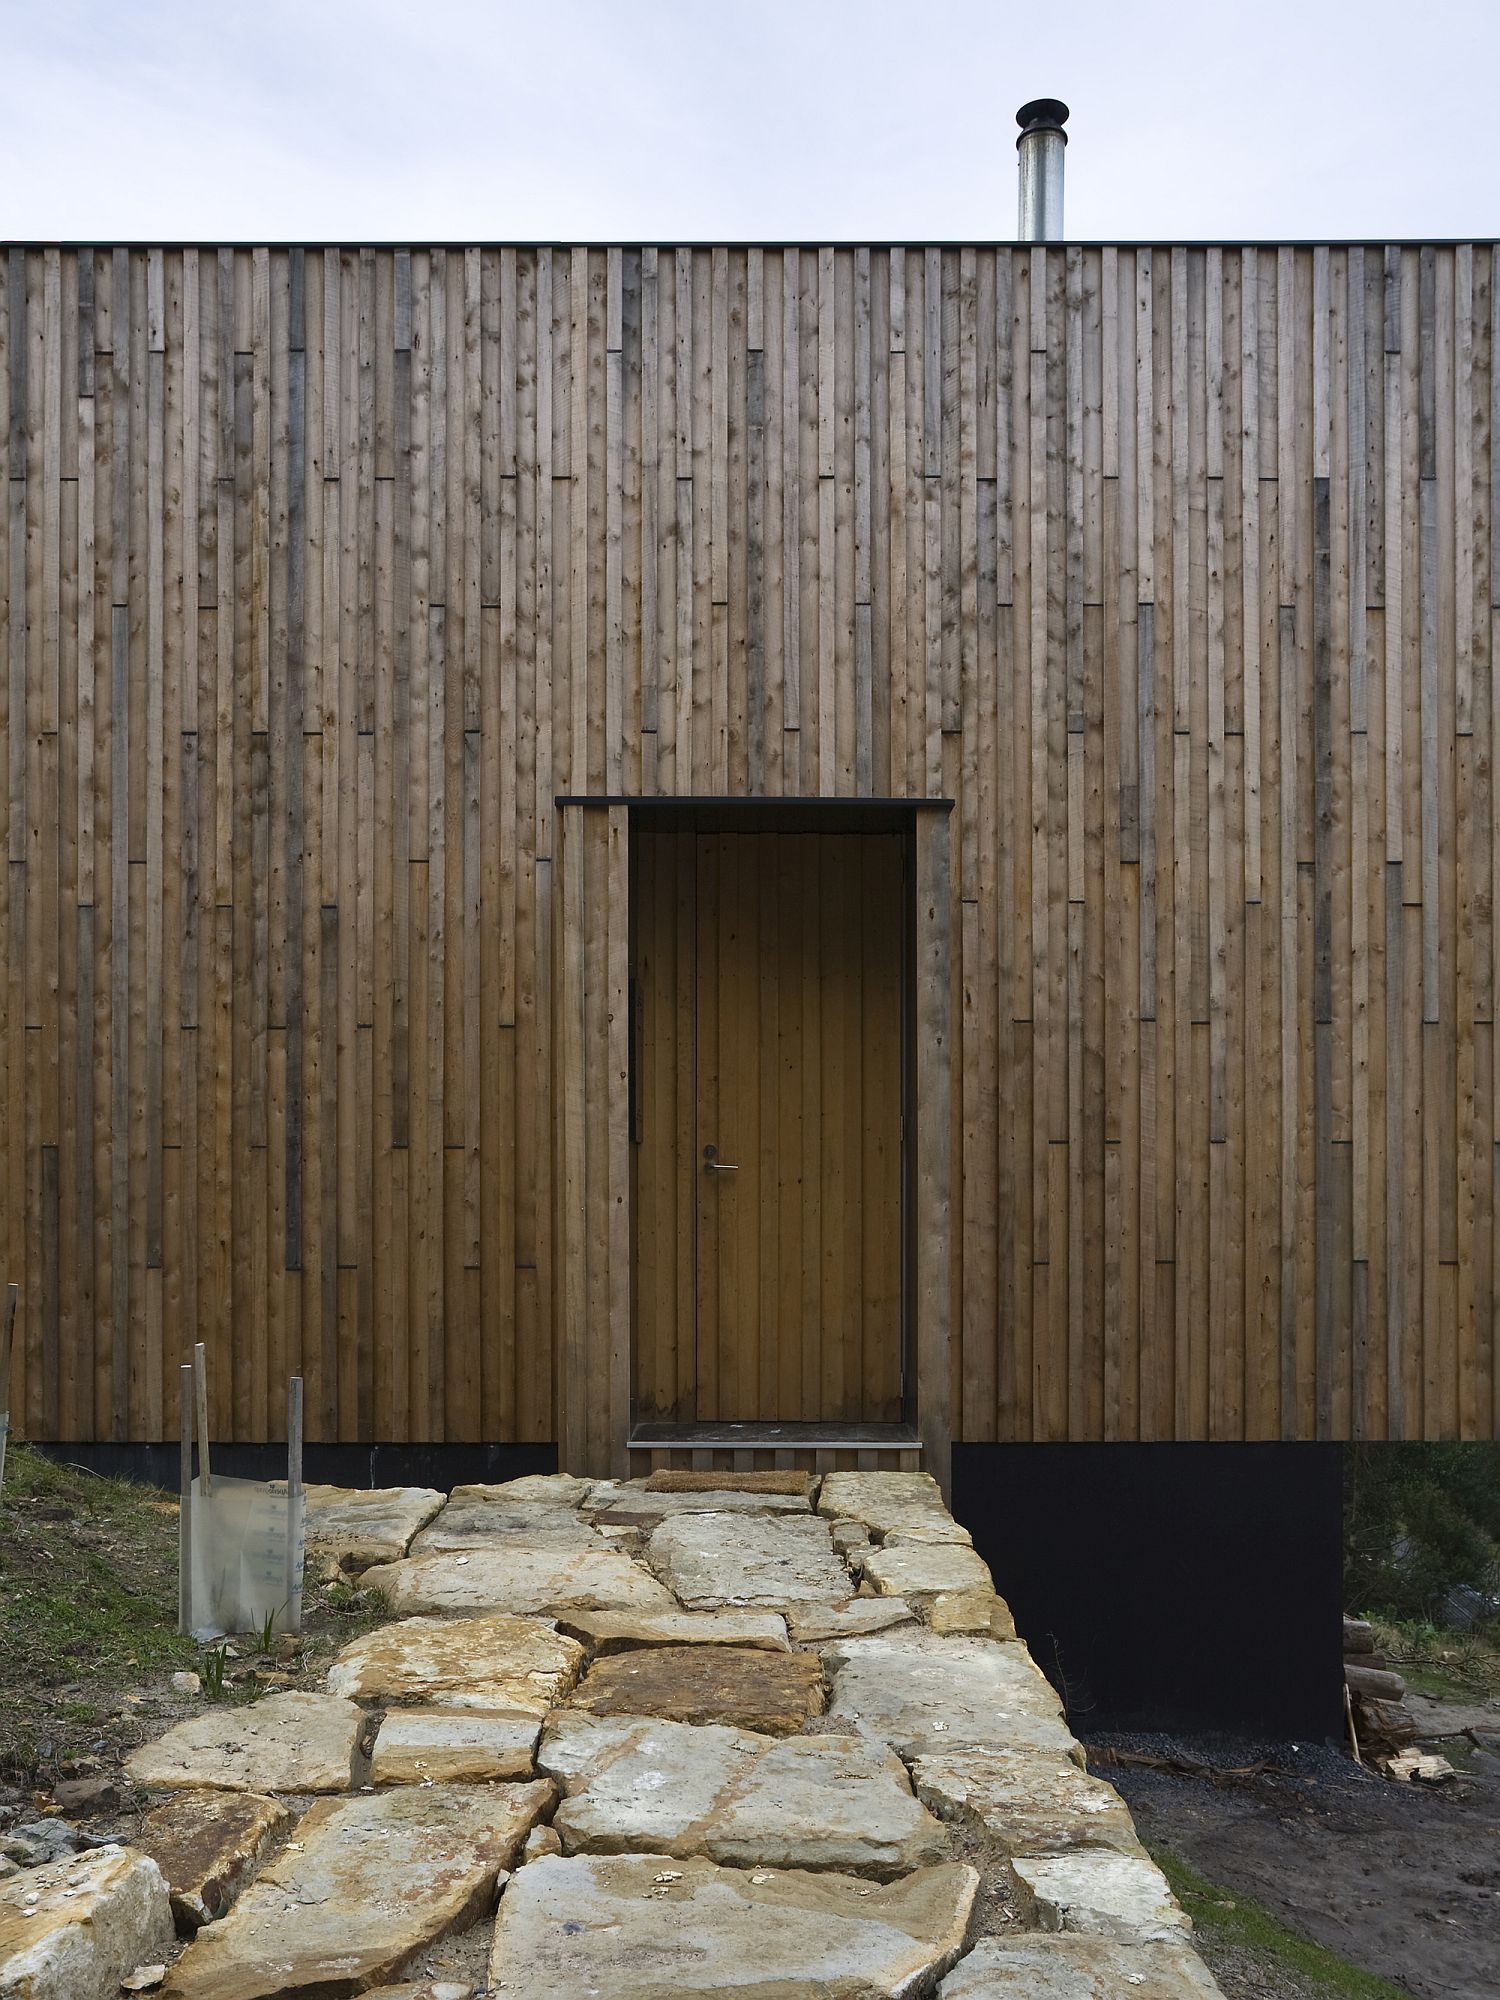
772	1737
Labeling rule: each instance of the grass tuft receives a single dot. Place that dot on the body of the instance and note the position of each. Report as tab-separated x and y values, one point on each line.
88	1578
88	1619
1455	1666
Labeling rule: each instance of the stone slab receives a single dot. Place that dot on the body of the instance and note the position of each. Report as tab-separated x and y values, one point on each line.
500	1662
786	1481
71	1930
743	1686
1025	1804
519	1580
715	1560
618	1631
839	1802
1098	1893
634	1784
849	1537
605	1925
423	1989
291	1742
813	1624
446	1746
355	1528
921	1693
637	1507
977	1611
914	1570
551	1489
741	1798
37	1840
210	1846
366	1885
1078	1968
468	1523
889	1503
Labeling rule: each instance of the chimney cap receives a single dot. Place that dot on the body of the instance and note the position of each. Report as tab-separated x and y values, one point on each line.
1043	114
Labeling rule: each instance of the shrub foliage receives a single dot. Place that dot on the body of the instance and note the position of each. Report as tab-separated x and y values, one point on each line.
1420	1520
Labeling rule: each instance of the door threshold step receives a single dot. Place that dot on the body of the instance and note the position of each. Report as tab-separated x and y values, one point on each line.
774	1437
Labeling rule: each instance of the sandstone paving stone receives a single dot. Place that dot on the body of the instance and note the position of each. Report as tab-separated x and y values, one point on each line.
933	1527
618	1631
452	1746
637	1507
743	1686
605	1925
634	1784
519	1580
71	1930
977	1611
366	1885
553	1489
1026	1804
291	1742
849	1537
1078	1968
355	1528
922	1693
839	1802
713	1560
470	1522
209	1846
813	1624
500	1662
741	1798
557	1489
1098	1893
914	1570
889	1503
423	1989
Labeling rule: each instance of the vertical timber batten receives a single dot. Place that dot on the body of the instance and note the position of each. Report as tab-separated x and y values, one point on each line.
933	1288
324	572
591	1093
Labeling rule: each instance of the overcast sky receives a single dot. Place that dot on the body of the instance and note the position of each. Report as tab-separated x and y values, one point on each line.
813	119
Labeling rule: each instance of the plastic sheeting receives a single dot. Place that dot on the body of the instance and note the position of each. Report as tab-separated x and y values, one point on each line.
240	1574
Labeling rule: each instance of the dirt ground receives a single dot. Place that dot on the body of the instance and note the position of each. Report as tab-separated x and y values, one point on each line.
1403	1881
88	1635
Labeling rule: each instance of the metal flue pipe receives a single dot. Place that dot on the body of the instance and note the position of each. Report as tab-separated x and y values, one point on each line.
1041	146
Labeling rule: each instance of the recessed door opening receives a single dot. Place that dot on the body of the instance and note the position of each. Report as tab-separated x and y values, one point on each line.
770	1012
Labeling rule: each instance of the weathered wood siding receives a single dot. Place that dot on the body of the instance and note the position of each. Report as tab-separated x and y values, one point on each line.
326	571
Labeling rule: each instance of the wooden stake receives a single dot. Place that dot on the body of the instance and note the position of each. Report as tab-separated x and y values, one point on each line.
294	1504
1353	1732
12	1292
200	1384
185	1498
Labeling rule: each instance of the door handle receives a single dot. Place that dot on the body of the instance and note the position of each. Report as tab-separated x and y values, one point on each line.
712	1164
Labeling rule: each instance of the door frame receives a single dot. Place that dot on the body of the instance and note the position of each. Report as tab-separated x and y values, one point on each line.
591	921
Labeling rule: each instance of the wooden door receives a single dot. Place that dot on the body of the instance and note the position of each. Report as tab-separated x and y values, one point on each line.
798	1118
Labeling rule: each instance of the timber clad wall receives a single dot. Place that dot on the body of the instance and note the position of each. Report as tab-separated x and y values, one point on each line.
326	572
